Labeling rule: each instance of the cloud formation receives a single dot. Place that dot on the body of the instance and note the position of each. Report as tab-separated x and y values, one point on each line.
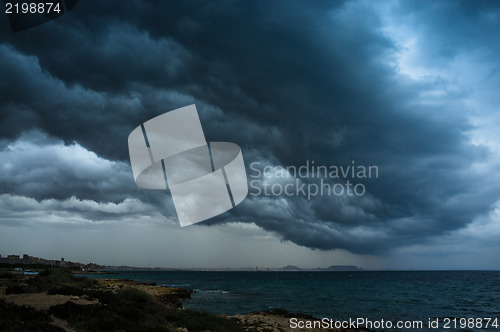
408	87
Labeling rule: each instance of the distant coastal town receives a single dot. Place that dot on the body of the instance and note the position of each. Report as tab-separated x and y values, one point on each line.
27	260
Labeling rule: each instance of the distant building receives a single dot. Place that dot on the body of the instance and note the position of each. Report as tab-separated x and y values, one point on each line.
27	259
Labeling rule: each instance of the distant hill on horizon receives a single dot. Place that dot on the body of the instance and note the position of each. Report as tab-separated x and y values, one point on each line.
330	268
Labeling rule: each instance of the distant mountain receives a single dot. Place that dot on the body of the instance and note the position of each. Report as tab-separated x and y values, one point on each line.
330	268
290	268
342	268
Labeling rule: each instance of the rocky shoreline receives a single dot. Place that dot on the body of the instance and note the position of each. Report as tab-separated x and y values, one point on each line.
169	296
56	300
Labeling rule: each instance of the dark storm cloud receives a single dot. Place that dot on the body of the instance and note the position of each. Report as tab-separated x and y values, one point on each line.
288	82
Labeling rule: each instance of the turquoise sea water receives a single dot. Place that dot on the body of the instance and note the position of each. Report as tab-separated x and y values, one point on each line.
339	295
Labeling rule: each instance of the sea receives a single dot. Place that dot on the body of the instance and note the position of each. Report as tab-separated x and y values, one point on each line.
441	300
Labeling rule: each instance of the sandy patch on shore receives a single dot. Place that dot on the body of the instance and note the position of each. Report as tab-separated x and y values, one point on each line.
43	301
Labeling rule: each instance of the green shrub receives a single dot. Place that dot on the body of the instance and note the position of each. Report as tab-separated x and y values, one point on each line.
20	289
15	318
202	321
134	295
16	289
52	280
44	273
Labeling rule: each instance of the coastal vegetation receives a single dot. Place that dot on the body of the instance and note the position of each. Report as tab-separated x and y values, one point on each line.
57	300
84	304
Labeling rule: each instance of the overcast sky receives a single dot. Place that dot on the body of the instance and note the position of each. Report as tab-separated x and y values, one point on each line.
408	86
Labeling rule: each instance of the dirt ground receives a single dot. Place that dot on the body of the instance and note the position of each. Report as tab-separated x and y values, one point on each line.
43	301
